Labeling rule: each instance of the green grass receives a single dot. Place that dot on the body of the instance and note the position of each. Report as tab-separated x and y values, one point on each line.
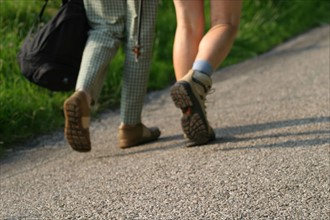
27	110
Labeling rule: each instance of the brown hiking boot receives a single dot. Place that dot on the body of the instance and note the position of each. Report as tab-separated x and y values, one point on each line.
189	94
130	136
77	118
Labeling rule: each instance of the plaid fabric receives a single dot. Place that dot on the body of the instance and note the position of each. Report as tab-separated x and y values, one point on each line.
115	22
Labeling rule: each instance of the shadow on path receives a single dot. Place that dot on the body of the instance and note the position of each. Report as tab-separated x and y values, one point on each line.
160	147
227	135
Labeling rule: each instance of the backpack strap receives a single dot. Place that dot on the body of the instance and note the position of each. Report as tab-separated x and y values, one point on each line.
42	11
45	5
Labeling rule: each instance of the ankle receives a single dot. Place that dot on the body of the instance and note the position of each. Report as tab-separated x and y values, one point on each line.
203	66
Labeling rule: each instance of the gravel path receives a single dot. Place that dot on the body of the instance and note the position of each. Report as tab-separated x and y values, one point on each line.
270	161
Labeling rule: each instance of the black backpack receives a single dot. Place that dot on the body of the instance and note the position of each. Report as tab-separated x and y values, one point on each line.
50	55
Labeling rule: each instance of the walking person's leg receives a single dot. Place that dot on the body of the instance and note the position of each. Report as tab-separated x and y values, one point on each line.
189	32
136	75
106	19
218	41
194	65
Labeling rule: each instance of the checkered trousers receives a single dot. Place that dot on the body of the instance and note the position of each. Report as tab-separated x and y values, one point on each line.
115	22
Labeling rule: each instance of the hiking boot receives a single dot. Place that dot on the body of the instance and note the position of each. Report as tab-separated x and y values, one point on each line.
130	136
77	118
189	94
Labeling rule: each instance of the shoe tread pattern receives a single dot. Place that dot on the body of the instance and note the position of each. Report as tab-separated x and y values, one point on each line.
77	136
194	125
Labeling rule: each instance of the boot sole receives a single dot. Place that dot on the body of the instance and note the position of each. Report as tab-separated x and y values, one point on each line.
193	122
76	135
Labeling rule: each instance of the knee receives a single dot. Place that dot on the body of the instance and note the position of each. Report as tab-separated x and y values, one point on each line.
230	24
191	29
227	28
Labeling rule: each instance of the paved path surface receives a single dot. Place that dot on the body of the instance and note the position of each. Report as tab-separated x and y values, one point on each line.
270	161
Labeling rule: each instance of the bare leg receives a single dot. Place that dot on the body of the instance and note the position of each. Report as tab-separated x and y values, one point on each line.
189	32
196	55
217	42
214	46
